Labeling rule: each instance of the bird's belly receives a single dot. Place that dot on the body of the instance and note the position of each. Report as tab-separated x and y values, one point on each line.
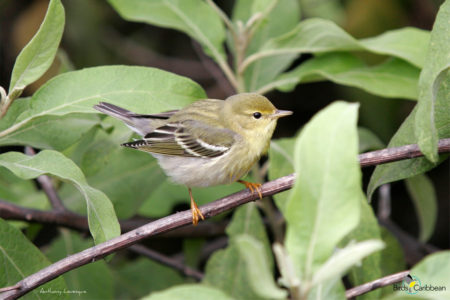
203	172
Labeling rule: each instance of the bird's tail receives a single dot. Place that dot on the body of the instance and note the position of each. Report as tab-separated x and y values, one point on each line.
142	124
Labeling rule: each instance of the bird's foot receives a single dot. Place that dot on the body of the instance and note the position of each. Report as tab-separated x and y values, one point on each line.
195	211
252	186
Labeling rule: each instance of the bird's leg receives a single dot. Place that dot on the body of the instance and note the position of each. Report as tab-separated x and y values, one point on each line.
252	187
195	210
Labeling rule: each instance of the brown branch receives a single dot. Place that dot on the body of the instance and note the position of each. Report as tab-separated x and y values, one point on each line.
168	261
185	218
378	283
398	153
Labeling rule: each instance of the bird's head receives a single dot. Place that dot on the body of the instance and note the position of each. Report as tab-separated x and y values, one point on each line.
252	113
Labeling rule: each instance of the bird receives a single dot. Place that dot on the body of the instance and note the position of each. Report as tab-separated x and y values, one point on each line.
209	142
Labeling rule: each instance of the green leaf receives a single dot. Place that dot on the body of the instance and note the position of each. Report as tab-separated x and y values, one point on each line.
265	70
393	79
281	163
320	36
38	54
47	132
368	140
328	185
407	43
19	258
343	259
258	271
405	135
142	276
423	195
189	292
435	73
140	89
369	269
102	219
225	269
91	281
193	17
433	270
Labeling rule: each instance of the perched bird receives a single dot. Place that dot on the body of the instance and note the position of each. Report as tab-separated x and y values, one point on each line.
209	142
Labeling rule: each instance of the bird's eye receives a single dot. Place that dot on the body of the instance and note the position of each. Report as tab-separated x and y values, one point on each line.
257	115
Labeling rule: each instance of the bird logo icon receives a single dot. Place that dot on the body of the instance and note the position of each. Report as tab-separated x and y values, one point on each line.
410	282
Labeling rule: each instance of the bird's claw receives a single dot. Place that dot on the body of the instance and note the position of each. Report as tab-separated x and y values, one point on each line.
252	186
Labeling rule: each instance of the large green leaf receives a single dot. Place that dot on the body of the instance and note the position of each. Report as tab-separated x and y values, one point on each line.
407	43
38	54
423	195
258	271
265	70
144	90
91	281
436	72
320	36
19	258
193	17
327	187
46	132
405	135
189	292
102	219
51	132
226	268
394	78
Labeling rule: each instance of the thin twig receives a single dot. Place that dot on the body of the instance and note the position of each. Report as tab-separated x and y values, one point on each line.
213	69
185	218
168	261
47	185
378	283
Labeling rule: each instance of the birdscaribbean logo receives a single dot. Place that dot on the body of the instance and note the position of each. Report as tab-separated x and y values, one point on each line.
412	285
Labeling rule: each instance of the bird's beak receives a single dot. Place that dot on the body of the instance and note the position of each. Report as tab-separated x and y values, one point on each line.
281	113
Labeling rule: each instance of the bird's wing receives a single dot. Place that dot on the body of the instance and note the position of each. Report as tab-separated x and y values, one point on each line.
189	139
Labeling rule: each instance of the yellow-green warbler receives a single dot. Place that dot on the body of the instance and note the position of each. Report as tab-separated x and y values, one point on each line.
209	142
